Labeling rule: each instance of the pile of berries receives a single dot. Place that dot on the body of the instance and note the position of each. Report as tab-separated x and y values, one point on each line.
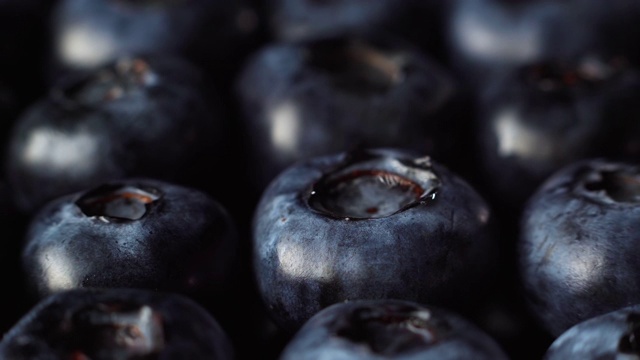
307	179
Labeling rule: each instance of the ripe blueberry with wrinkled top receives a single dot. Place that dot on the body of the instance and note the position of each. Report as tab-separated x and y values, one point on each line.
139	233
578	243
327	95
116	324
537	118
147	116
613	335
377	224
389	329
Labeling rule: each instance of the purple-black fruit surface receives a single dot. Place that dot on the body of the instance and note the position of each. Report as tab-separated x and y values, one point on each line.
578	243
140	233
140	116
375	223
390	329
122	324
540	117
317	97
614	335
87	34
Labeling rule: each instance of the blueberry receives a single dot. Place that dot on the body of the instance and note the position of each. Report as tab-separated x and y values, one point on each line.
86	34
123	324
542	116
316	97
377	224
139	233
300	20
488	36
613	335
578	243
140	116
389	329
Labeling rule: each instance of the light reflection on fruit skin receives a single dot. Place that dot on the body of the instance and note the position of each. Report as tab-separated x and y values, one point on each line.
83	46
52	150
285	129
519	140
58	269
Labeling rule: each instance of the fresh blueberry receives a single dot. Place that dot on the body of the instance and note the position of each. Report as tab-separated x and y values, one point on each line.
300	20
488	36
578	243
614	335
125	324
86	34
138	233
540	117
390	329
141	116
317	97
377	224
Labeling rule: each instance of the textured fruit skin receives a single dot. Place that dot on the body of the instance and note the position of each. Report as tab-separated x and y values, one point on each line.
47	330
445	336
578	246
304	260
608	336
186	242
165	127
295	102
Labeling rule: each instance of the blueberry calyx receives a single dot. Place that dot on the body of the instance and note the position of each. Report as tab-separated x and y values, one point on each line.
125	77
355	66
412	329
115	330
118	202
370	187
618	185
630	342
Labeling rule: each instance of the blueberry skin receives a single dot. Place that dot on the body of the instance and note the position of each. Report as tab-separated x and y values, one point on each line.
183	241
537	118
612	335
94	323
311	98
577	243
435	250
139	116
389	329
